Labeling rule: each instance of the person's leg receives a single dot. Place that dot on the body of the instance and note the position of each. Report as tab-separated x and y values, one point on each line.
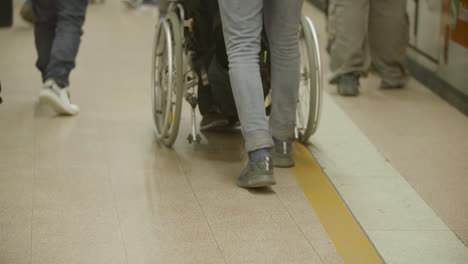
388	49
347	43
282	20
70	19
44	32
242	26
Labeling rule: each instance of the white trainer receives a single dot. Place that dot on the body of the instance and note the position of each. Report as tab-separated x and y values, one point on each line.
57	98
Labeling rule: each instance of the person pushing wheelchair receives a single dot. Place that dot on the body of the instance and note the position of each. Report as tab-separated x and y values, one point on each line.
268	142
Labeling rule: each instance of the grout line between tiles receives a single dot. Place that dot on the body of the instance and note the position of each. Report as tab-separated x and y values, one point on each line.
181	169
33	191
116	210
302	231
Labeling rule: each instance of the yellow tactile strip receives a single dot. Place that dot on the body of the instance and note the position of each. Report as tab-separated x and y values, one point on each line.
350	241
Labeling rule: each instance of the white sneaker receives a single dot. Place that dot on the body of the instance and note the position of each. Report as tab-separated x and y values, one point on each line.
57	98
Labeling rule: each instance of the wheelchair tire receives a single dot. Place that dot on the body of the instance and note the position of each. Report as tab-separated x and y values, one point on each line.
309	105
167	97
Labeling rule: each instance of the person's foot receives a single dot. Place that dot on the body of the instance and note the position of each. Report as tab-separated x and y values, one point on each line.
213	121
282	154
257	174
348	84
57	98
26	12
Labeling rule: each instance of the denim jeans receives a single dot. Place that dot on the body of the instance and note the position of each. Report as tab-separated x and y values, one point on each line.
243	21
58	30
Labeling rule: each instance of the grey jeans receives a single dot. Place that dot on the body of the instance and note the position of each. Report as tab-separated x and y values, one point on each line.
368	32
57	31
243	21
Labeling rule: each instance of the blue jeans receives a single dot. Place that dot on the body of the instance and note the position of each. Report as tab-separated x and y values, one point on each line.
57	30
243	21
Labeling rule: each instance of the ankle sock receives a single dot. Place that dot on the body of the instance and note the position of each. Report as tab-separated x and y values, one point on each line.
259	153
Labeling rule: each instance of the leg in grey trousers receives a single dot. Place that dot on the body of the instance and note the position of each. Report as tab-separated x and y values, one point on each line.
242	25
368	32
58	29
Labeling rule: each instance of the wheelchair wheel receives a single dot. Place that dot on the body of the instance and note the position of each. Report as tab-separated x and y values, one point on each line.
167	79
310	86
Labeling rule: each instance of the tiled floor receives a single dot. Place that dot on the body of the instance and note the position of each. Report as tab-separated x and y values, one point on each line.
422	136
405	184
97	188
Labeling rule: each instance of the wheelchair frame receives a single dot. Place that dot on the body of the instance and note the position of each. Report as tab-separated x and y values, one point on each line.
174	79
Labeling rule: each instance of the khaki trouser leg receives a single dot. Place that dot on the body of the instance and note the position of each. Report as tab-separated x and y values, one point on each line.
347	36
388	39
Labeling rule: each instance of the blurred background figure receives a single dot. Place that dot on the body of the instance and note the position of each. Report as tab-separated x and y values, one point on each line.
57	30
26	12
138	3
367	34
6	13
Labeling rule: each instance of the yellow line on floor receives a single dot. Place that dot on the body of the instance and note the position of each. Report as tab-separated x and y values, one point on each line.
346	234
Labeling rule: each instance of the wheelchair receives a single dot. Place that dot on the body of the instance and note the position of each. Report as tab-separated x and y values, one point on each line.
174	78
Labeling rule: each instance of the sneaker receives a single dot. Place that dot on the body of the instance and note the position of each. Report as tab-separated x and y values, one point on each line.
348	84
57	98
392	85
213	121
282	154
26	12
257	174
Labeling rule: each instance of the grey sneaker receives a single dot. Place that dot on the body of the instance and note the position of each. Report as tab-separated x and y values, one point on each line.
257	174
348	84
282	154
384	84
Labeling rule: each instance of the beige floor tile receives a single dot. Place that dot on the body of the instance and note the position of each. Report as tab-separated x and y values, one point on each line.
299	208
401	247
276	226
17	123
285	178
17	157
161	219
224	167
15	214
270	251
192	252
224	202
74	217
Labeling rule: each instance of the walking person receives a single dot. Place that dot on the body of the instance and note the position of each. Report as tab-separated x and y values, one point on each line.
365	34
57	30
268	143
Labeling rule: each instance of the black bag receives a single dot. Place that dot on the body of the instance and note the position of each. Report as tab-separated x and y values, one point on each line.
207	41
6	13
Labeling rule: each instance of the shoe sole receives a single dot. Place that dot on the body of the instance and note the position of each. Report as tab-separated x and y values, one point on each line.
259	182
215	125
348	93
51	99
